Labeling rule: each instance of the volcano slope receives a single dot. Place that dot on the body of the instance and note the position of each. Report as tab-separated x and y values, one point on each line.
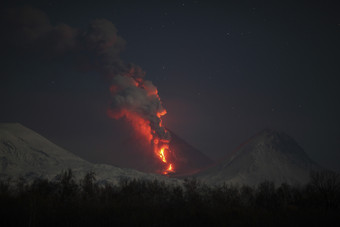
26	154
268	156
186	158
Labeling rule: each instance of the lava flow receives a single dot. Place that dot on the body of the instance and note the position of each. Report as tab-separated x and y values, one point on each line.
137	101
161	149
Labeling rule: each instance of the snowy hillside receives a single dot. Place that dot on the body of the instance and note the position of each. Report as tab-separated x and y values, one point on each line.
270	155
24	153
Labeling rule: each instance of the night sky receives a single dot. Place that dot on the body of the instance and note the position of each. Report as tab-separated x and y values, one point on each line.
224	72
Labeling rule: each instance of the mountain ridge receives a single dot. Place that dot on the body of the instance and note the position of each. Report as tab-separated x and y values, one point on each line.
269	155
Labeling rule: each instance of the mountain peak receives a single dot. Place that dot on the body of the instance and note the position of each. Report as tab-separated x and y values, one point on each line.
269	155
278	141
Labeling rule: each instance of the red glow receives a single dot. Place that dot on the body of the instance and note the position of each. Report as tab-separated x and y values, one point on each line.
140	125
162	155
170	167
161	149
143	126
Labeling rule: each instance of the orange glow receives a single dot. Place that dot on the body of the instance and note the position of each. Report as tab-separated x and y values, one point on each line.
161	149
140	125
161	155
169	170
162	113
155	141
170	167
143	126
153	92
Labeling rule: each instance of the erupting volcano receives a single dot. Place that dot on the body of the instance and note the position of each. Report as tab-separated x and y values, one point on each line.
96	48
137	101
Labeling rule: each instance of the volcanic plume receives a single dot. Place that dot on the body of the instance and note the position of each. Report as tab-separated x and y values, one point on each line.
132	98
97	48
137	101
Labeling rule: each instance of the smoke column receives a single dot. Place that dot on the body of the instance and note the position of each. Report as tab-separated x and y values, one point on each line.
96	48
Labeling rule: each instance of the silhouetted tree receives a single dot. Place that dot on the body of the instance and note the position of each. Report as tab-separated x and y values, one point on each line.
67	185
191	190
266	195
284	195
4	187
88	185
326	186
247	197
134	202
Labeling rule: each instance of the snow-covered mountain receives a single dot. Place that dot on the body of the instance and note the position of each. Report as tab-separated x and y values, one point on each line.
269	155
25	153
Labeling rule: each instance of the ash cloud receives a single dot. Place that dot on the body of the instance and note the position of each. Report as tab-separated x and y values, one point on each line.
140	98
96	48
29	29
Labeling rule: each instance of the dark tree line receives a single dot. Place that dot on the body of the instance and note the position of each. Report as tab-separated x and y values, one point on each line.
65	202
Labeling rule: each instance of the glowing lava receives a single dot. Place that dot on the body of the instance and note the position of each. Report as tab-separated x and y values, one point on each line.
162	155
162	150
170	168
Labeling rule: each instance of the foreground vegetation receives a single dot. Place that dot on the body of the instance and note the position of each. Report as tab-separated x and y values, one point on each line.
152	203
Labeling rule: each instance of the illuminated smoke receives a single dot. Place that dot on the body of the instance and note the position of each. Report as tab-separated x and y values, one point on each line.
140	98
138	102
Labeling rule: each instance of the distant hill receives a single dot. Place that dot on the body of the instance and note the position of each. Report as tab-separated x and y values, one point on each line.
25	153
269	155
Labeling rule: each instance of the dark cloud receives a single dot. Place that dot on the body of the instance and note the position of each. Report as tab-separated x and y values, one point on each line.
24	26
29	29
97	47
104	46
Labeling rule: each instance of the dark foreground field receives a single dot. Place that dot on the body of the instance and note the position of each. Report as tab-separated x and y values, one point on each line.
152	203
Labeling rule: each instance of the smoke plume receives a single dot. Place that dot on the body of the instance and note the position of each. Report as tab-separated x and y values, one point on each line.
139	97
95	48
